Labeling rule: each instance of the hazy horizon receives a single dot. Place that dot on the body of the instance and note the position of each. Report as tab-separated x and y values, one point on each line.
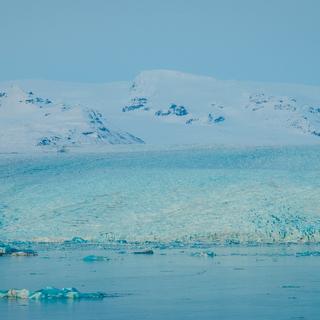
106	41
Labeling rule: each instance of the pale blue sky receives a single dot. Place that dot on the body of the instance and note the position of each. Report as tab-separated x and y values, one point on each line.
110	40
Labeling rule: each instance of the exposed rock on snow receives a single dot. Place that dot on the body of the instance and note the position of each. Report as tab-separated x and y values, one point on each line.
157	107
29	121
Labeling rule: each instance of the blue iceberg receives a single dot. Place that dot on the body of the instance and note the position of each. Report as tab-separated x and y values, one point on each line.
50	293
93	258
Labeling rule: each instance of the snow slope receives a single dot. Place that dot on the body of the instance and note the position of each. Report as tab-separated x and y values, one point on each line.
29	121
157	107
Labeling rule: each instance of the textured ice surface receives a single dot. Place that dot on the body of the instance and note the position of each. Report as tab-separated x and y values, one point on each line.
7	250
258	195
205	254
308	254
49	293
94	258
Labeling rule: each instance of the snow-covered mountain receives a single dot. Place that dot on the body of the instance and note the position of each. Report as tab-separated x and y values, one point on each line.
29	121
157	107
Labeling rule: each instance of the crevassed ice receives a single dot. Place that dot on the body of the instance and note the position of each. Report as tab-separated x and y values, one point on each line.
258	195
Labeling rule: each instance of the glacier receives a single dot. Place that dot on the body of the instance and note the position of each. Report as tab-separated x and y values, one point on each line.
174	191
210	195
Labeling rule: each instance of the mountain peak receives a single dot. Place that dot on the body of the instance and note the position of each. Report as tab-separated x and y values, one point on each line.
161	107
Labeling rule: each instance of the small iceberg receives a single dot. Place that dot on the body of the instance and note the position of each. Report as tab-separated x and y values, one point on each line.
93	258
205	254
6	250
50	293
76	240
15	294
147	252
290	287
308	254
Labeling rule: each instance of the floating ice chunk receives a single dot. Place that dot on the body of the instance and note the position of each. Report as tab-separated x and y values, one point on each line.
93	295
55	293
206	254
49	293
122	241
24	253
6	250
93	258
76	240
308	254
15	294
148	252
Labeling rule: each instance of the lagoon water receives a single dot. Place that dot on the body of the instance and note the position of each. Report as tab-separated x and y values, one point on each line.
238	283
257	209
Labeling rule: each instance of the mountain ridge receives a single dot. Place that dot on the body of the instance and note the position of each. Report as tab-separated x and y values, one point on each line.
158	107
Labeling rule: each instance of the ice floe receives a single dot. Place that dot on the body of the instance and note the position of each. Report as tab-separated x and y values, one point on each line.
146	252
94	258
205	254
6	250
50	293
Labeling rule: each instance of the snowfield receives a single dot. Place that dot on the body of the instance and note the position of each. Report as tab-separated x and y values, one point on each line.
158	107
